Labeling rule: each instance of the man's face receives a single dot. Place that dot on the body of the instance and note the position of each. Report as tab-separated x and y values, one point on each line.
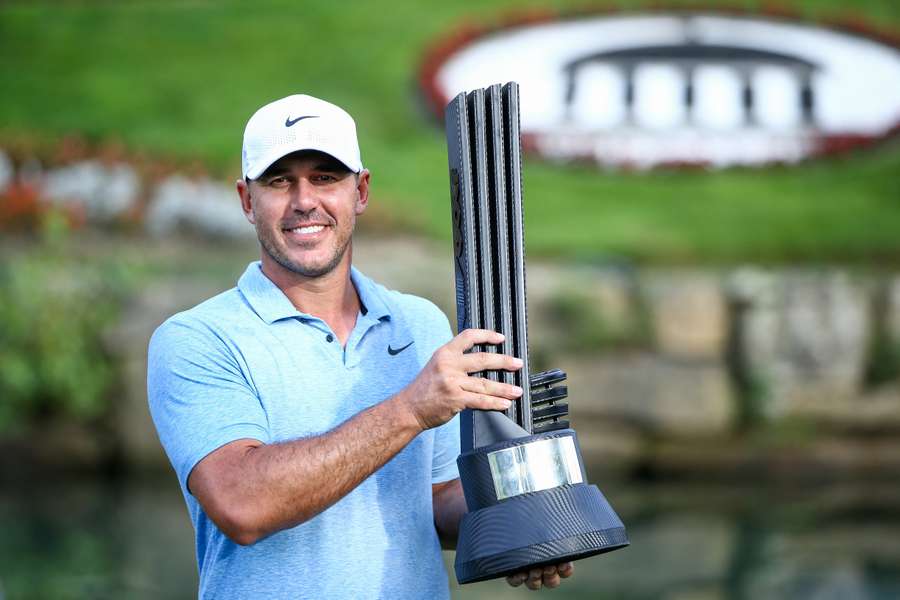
304	208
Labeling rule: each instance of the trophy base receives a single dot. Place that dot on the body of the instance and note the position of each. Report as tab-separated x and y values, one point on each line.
551	526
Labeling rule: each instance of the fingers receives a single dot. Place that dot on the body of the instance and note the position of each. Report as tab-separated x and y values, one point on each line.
534	579
479	361
490	361
479	385
550	576
485	402
470	337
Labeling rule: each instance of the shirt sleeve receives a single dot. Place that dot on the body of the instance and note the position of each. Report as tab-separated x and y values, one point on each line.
446	450
446	437
199	398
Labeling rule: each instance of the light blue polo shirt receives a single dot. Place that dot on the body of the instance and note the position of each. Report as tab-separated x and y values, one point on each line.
247	364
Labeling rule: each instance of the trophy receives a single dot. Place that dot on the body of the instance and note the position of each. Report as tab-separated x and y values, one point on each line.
521	469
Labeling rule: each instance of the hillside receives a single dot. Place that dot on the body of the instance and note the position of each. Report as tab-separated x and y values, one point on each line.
178	80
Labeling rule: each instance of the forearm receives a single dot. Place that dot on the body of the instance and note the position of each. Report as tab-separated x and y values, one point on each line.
270	487
449	506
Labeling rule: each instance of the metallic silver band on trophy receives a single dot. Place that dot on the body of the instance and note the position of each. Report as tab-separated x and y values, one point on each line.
521	469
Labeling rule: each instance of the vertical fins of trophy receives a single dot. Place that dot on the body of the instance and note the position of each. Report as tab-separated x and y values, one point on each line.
488	266
522	472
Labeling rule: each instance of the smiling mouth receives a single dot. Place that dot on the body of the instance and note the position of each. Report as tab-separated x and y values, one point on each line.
307	229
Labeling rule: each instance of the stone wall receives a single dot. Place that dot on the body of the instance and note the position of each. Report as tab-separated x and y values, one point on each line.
652	355
691	351
735	348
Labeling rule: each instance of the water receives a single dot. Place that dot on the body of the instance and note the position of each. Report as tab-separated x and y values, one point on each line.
90	539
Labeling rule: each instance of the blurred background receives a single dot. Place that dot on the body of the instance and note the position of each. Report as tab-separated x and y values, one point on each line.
713	241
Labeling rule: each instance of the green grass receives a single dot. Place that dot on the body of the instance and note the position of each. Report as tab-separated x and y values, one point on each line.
179	79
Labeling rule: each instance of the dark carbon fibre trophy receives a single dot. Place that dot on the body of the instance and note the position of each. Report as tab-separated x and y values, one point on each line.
521	469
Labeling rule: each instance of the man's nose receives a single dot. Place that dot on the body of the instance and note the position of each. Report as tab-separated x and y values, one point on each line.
304	197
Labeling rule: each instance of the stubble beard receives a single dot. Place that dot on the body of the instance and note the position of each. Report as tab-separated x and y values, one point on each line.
277	254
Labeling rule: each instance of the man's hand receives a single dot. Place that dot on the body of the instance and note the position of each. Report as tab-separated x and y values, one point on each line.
444	387
550	576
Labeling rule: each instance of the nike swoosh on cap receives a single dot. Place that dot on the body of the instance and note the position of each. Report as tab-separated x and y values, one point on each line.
396	351
289	121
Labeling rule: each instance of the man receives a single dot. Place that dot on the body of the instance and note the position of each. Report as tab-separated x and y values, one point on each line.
308	412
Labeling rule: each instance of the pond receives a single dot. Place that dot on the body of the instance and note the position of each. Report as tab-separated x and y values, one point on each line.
132	539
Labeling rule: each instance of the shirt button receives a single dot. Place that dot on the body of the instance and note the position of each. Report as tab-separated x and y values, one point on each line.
329	338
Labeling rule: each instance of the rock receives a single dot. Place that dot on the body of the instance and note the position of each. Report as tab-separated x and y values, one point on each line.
657	394
119	194
822	343
606	445
583	308
754	317
803	336
129	340
200	205
825	320
616	296
31	172
105	192
613	312
7	171
688	314
752	341
875	411
892	310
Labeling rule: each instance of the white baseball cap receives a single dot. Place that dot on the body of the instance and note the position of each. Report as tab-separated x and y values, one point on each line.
298	122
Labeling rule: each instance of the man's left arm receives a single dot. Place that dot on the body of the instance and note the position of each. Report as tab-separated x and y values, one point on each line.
449	505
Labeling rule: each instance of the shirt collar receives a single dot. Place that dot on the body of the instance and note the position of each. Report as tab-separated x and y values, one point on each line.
371	296
269	302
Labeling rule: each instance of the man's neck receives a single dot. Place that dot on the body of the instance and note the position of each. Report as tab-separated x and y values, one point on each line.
331	297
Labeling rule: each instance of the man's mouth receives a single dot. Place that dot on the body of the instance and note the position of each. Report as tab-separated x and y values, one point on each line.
307	229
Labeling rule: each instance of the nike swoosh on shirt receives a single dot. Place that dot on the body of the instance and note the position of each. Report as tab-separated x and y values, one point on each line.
394	352
289	121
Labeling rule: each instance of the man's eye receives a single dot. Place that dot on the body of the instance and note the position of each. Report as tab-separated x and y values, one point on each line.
279	181
324	178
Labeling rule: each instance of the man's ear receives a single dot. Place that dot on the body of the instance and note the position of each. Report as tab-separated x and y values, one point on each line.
362	189
243	190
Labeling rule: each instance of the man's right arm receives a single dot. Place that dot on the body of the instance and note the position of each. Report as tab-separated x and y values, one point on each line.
251	490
